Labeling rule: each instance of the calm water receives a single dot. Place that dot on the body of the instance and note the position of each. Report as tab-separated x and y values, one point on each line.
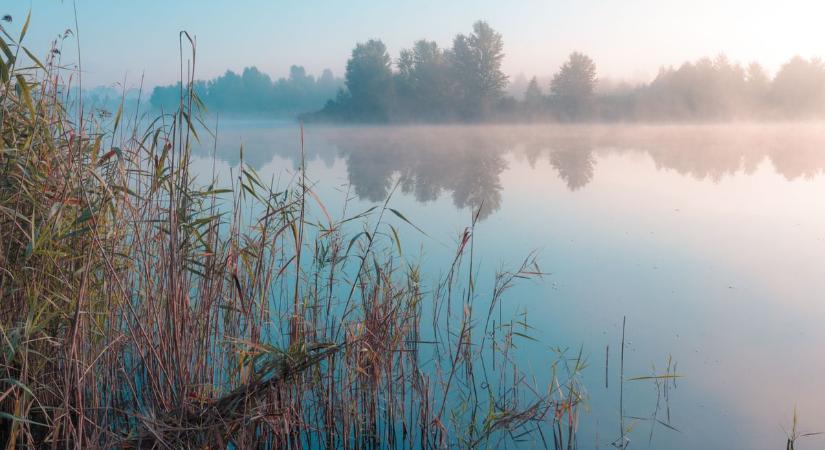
709	239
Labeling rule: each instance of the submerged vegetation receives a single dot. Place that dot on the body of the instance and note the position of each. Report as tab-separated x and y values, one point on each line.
146	308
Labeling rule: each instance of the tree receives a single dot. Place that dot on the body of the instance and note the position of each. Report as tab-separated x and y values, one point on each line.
533	97
727	89
327	80
257	91
476	63
756	76
757	85
799	87
254	92
299	78
423	80
572	87
489	46
301	91
707	89
369	81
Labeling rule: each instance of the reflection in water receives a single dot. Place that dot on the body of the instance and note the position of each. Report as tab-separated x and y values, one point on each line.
426	164
714	259
575	167
467	161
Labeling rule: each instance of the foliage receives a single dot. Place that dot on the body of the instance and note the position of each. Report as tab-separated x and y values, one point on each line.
572	87
369	81
253	92
464	82
423	83
476	61
799	87
144	309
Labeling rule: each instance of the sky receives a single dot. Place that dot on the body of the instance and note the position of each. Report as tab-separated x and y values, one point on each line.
628	39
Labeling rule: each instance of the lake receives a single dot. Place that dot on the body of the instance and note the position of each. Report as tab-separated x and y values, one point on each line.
708	239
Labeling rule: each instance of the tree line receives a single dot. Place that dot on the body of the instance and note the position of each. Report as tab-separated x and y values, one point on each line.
464	82
426	82
718	89
254	92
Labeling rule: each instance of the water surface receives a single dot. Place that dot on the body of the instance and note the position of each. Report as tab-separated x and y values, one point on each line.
709	239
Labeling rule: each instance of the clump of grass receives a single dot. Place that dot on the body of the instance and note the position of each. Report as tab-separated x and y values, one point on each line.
794	434
144	308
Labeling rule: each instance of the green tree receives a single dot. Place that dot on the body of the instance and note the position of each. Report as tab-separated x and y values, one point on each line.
369	81
572	87
423	80
476	63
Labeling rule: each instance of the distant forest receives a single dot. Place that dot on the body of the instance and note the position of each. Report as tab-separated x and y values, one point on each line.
465	83
255	93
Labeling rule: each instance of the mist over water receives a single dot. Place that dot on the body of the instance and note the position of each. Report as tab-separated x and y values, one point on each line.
467	161
710	239
412	224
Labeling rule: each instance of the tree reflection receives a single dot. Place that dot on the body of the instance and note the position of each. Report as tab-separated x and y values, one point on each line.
476	184
466	162
426	164
575	165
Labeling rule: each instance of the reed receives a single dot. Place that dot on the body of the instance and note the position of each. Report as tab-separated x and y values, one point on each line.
145	307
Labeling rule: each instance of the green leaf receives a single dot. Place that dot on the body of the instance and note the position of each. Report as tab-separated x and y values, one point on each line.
25	26
355	238
396	239
117	118
654	377
525	336
18	384
24	88
34	59
358	216
401	216
20	419
5	49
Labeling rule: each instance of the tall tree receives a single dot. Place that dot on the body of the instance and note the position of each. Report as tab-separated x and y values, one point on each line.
423	80
476	62
533	97
369	81
572	87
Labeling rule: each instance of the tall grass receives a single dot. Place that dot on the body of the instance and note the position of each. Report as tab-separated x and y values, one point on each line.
144	307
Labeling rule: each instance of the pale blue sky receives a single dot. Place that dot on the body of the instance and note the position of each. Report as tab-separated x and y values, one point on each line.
627	38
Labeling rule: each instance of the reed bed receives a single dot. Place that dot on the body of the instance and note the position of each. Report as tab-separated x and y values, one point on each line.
146	307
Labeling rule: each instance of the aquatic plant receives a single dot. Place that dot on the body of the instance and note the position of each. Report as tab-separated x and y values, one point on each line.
144	307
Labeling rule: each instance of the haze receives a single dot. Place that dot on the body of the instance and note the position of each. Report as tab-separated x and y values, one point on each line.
629	40
412	224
